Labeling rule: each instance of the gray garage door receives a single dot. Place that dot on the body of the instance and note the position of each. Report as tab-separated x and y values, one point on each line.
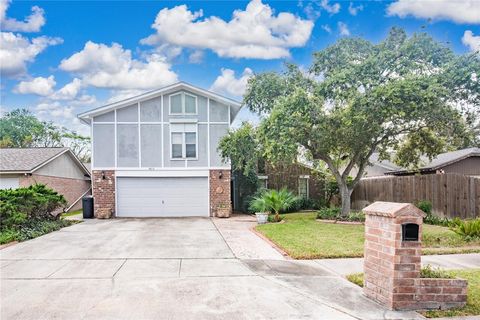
162	197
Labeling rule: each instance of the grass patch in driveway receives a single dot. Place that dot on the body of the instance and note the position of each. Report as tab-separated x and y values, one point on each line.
303	237
473	298
73	213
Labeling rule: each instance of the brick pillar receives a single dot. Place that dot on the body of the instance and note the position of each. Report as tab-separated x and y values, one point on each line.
220	193
392	264
103	190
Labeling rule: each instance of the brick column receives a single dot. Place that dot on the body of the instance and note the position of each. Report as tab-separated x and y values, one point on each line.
391	264
220	193
103	190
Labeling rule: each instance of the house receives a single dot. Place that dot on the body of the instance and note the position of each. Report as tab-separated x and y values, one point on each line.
299	178
465	162
155	155
377	167
58	168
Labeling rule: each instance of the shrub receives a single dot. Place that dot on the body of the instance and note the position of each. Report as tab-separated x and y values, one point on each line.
468	229
335	214
429	272
425	206
36	202
430	218
274	201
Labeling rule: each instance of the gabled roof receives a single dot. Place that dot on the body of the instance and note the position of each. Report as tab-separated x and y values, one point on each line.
155	93
444	159
28	160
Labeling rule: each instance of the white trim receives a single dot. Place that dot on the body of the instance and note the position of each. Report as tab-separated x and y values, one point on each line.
191	120
262	177
163	132
304	176
182	101
156	93
75	202
184	145
163	173
183	121
115	137
116	195
155	168
139	137
208	131
91	147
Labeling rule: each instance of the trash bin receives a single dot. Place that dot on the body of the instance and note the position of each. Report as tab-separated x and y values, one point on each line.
87	204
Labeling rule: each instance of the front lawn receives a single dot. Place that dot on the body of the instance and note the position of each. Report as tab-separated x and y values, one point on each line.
473	298
302	237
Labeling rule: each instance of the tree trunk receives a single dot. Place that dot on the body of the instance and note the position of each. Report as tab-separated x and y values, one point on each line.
345	194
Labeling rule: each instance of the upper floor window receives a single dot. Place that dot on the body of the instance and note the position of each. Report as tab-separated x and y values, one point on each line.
183	103
184	141
303	187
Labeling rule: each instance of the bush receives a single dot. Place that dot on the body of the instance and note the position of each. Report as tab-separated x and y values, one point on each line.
429	272
430	218
335	214
468	229
425	206
273	201
36	202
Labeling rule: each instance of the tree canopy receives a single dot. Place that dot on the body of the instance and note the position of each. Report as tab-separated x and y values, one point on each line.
21	129
407	96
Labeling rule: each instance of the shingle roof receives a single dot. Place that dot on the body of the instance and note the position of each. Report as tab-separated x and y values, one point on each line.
445	159
26	159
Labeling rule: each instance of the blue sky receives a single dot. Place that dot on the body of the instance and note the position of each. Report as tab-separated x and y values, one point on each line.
61	58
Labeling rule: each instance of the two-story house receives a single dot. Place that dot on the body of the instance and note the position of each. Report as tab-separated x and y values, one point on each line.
155	155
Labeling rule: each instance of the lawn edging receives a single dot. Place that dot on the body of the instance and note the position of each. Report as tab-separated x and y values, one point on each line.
271	243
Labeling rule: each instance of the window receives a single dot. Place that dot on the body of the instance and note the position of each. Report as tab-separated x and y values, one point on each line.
183	103
263	181
183	141
303	187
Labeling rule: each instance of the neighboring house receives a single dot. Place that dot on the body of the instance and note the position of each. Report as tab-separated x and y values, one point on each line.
465	162
155	155
376	168
58	168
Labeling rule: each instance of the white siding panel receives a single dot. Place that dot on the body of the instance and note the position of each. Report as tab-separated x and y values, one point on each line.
162	197
9	182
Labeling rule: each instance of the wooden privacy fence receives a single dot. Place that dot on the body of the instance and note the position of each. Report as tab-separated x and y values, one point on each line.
452	195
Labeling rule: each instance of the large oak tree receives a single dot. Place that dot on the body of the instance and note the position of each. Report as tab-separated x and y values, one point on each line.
408	95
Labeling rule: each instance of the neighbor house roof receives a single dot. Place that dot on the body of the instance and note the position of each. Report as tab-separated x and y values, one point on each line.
28	160
155	93
443	160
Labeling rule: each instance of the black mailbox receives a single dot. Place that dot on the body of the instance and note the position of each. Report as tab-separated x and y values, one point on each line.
409	232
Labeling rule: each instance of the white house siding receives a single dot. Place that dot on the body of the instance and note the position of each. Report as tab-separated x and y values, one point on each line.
9	181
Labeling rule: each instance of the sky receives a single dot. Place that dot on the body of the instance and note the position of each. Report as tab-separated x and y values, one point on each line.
61	58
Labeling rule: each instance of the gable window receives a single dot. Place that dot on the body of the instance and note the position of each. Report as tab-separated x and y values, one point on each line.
303	187
183	104
183	141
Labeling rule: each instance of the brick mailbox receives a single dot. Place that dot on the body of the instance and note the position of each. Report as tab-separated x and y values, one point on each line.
393	234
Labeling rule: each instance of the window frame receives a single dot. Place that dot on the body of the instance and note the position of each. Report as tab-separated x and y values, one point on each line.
182	99
307	179
264	180
184	144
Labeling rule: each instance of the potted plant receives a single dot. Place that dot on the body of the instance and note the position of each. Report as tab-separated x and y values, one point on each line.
259	206
223	210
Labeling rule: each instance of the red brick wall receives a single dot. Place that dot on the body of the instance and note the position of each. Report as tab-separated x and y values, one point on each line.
220	193
103	190
71	189
440	294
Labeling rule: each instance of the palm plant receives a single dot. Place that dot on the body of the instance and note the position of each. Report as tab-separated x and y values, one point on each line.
274	201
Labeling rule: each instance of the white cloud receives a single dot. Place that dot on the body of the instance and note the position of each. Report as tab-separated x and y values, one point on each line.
226	83
32	23
196	56
103	66
332	9
16	51
311	12
40	86
255	32
55	109
471	41
354	10
343	29
68	91
460	11
327	28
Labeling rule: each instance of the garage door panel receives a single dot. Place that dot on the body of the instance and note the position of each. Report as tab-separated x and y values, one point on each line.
162	197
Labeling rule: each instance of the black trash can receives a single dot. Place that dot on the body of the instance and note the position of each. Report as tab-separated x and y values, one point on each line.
87	204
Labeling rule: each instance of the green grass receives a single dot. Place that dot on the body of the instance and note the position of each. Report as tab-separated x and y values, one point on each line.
73	213
302	237
473	298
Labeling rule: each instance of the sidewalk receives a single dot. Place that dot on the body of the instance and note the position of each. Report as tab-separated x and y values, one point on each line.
449	261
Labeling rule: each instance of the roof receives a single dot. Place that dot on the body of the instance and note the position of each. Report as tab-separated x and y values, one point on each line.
28	160
155	93
444	159
386	164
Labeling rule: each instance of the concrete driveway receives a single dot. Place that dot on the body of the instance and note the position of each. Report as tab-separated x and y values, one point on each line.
166	269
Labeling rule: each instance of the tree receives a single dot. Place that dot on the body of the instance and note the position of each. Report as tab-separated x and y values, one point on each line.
400	95
21	129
